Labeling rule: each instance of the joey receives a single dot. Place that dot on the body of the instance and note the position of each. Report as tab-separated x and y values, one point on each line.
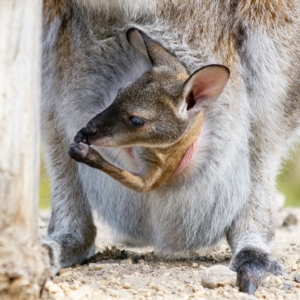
162	112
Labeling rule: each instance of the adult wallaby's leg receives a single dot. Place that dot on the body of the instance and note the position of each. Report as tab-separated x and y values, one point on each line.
250	236
71	232
251	233
269	75
81	75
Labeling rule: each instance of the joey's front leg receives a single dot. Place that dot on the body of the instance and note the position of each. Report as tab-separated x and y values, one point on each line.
85	154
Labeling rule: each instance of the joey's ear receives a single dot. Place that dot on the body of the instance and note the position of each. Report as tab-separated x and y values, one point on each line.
205	86
155	52
136	41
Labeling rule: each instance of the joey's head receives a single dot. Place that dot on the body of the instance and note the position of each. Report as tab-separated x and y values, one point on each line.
156	109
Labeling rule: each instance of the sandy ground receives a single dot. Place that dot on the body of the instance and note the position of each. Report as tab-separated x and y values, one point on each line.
120	272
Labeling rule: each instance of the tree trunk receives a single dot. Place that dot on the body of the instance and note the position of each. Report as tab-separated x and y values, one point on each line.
23	270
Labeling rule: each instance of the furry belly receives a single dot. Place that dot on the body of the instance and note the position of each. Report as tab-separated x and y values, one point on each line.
184	217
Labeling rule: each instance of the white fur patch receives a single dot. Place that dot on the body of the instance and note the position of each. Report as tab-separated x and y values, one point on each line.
125	6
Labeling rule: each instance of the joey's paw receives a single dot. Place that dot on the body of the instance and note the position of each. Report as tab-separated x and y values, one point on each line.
252	265
79	151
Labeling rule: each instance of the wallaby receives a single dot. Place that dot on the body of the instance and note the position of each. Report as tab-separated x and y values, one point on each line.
228	187
162	112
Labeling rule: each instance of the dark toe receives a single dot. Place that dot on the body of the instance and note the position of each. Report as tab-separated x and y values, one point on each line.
248	287
73	150
275	268
80	146
78	151
248	278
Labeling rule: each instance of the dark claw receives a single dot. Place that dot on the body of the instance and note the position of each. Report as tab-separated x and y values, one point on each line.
275	268
249	287
252	265
249	276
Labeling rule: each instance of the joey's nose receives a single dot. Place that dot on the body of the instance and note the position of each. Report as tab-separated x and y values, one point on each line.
91	128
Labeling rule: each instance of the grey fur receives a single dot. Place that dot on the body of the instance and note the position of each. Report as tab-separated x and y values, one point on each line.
230	189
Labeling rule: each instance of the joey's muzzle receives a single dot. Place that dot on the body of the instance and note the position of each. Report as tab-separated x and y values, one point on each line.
84	134
91	128
98	129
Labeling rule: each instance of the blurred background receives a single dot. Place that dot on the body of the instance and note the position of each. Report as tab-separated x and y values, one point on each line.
288	182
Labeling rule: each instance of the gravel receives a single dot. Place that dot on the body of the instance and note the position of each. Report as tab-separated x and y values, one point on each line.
120	272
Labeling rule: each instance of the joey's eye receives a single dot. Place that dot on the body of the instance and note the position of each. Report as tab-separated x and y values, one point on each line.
136	121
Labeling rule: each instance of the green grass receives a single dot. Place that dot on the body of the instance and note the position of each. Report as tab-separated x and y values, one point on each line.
288	183
45	193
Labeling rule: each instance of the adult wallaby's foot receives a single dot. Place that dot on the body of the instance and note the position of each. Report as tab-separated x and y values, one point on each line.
66	250
252	266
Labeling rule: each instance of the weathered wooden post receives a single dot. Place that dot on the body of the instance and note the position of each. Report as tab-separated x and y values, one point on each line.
22	261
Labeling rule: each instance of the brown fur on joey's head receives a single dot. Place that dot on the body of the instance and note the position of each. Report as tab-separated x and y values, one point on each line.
157	109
